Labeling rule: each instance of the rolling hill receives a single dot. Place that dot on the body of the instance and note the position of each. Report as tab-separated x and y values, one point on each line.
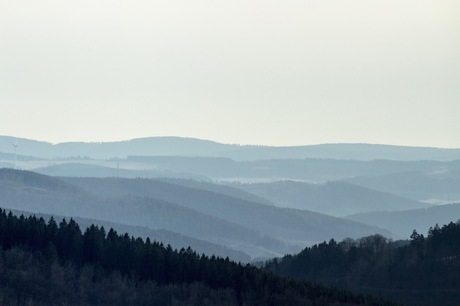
177	241
28	191
56	263
227	170
438	186
292	226
420	271
404	222
254	228
177	146
333	198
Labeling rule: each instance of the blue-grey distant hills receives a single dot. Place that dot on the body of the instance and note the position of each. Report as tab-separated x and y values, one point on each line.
177	146
219	215
332	198
225	169
404	222
437	186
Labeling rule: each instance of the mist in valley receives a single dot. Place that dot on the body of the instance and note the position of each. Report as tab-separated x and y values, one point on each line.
229	153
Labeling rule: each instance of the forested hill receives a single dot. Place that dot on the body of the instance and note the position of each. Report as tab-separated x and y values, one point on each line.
46	263
422	271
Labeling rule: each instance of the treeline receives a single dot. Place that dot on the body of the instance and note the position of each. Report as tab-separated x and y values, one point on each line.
44	263
422	271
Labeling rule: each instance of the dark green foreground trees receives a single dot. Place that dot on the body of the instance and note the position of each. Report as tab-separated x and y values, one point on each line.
422	271
45	263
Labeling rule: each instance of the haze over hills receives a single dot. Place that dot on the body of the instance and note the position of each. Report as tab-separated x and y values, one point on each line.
370	184
384	185
176	157
247	129
439	186
288	225
333	198
219	188
404	222
109	169
227	170
197	213
177	146
230	200
28	191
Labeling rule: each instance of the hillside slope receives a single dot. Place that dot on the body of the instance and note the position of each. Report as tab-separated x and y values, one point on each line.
404	222
176	240
50	263
441	185
332	198
28	191
292	226
253	228
422	271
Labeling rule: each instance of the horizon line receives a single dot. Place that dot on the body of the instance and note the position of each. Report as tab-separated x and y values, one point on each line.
228	143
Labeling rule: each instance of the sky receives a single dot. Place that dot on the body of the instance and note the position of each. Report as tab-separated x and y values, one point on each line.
265	72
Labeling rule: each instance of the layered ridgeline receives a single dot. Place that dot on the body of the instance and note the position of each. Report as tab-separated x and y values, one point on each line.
254	228
332	198
56	263
178	146
311	170
438	186
403	222
422	271
418	180
424	174
28	191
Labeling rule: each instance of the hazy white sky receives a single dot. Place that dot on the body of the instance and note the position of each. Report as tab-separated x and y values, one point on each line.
241	71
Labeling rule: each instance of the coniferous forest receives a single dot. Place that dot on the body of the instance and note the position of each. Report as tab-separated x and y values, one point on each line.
51	263
420	271
229	153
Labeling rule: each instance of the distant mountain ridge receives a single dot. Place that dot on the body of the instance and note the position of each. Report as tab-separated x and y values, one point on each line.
178	146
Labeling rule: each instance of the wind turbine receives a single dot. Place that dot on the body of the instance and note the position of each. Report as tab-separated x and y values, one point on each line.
15	145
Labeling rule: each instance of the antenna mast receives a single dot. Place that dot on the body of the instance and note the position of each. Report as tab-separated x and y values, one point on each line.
15	145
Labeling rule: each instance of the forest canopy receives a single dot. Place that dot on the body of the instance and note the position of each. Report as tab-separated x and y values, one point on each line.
421	271
61	264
